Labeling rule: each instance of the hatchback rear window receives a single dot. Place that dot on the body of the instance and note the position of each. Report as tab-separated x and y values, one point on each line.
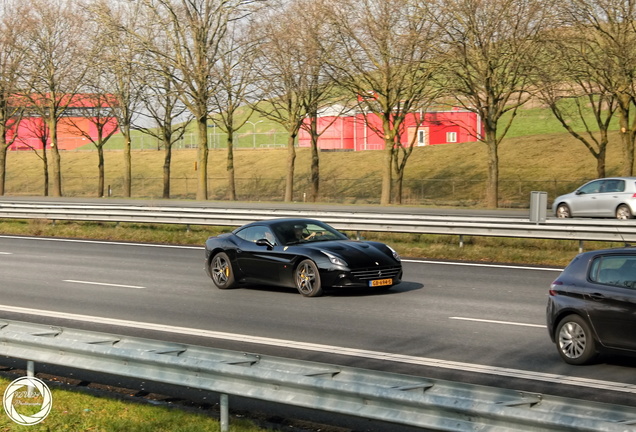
615	270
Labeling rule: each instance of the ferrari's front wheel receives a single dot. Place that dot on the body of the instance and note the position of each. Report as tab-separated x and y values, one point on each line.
308	279
221	271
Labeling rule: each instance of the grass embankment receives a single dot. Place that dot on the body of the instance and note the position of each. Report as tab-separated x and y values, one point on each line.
538	155
79	411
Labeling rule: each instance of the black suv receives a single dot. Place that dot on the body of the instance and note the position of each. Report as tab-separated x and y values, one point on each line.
592	305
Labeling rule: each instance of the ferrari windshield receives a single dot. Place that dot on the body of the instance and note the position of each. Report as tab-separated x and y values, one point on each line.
293	232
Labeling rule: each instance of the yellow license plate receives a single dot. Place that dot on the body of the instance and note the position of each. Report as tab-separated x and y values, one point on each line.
380	282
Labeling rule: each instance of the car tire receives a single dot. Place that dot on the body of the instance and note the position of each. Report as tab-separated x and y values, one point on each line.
623	212
307	279
563	211
221	271
574	340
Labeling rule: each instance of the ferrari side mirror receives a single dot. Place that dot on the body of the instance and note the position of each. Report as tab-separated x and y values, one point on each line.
265	242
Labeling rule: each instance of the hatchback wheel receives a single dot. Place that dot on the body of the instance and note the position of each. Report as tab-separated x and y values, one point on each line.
623	212
221	271
563	211
307	279
575	342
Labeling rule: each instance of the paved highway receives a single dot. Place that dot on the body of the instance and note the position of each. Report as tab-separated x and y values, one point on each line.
474	323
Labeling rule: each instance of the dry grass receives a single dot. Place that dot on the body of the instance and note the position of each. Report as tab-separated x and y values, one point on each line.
452	174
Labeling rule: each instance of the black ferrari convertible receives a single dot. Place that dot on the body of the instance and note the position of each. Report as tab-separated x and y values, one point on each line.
305	254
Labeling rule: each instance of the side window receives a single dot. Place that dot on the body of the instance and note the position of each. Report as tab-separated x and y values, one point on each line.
252	234
613	186
615	270
593	187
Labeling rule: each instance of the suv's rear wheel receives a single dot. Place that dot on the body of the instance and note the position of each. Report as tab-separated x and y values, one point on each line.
574	340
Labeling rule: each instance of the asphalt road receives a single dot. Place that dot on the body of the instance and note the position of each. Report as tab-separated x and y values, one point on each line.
472	323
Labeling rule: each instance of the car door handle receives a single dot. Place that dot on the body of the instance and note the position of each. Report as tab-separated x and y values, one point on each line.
597	296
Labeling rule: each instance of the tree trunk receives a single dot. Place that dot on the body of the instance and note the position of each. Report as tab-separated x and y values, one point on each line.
45	163
315	161
600	159
291	163
55	169
3	161
231	183
389	153
100	166
626	136
492	186
202	156
167	159
127	162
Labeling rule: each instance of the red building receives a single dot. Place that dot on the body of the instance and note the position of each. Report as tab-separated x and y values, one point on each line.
83	117
355	132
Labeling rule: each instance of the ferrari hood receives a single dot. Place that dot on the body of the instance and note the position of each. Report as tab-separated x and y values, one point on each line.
357	253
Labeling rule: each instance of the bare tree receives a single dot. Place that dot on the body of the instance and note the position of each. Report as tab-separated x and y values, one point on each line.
94	109
162	107
193	30
119	60
234	75
489	47
11	58
569	79
609	28
294	78
385	56
321	88
54	66
35	129
280	83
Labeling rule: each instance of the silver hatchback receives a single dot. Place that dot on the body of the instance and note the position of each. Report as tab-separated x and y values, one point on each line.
606	197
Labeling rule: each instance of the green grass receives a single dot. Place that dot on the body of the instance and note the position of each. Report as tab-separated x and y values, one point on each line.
78	411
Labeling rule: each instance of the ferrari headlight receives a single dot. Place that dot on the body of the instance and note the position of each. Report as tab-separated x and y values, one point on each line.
335	260
395	254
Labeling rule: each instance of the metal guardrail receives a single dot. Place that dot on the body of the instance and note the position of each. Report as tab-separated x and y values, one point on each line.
556	229
399	399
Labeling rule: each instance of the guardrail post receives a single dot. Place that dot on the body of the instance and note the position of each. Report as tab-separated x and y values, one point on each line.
225	413
30	373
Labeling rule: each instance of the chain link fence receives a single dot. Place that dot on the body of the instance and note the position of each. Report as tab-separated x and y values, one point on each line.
430	192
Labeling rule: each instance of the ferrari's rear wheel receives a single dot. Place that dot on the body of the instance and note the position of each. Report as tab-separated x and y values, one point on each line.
308	279
221	271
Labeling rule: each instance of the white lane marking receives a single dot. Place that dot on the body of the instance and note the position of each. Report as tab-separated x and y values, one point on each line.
497	322
6	253
351	352
514	267
103	284
102	242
